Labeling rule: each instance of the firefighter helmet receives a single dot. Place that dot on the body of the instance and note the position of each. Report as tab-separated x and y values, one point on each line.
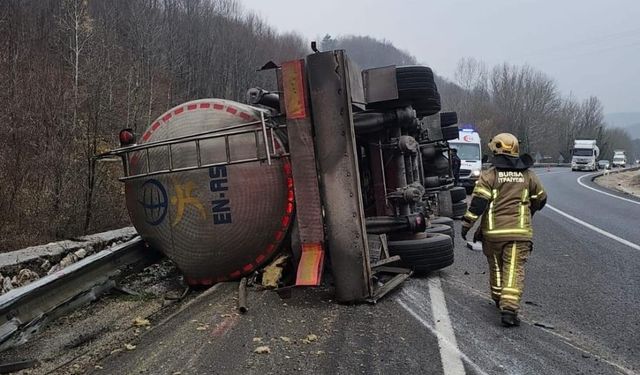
505	144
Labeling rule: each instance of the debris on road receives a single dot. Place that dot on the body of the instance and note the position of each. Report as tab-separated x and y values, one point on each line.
262	350
130	347
242	296
273	272
545	326
141	322
310	338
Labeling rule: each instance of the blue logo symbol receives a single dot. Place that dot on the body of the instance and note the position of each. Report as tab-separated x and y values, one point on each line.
154	201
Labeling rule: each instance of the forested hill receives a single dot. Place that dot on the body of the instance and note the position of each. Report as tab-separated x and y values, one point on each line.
74	72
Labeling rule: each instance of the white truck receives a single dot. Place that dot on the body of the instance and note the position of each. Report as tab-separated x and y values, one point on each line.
469	152
585	155
619	159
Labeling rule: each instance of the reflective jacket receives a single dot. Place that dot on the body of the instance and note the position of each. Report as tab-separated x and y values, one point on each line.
506	196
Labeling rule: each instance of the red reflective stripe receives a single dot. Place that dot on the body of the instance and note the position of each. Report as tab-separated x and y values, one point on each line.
191	107
178	111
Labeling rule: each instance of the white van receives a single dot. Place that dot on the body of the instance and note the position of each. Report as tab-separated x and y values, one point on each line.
470	154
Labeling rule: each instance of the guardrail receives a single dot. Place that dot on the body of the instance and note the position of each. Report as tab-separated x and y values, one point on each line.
24	311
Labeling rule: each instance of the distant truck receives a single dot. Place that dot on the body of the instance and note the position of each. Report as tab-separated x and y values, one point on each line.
585	155
469	152
619	159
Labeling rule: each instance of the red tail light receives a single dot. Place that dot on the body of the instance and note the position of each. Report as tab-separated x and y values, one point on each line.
127	137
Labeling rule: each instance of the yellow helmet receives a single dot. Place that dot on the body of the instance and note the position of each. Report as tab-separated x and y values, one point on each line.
505	144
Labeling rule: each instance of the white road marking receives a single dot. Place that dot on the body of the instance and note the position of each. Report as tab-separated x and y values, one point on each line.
600	191
450	354
596	229
443	339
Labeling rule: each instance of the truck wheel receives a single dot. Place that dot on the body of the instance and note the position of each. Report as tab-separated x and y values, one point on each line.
445	221
445	204
458	209
429	152
448	118
439	166
424	255
442	220
450	132
440	228
416	87
458	193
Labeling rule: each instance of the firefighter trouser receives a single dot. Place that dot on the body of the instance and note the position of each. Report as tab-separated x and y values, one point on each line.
506	271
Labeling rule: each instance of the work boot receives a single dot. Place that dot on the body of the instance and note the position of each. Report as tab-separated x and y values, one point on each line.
497	301
510	319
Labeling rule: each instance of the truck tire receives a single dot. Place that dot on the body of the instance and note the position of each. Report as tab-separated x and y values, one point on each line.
458	209
445	205
441	228
450	132
458	193
424	255
429	152
416	87
448	118
442	220
445	221
439	166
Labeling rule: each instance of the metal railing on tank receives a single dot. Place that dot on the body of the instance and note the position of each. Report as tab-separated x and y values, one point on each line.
265	145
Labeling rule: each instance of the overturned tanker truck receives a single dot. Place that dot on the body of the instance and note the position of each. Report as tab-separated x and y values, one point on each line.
335	166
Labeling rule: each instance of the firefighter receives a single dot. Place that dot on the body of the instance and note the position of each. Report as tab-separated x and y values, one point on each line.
505	198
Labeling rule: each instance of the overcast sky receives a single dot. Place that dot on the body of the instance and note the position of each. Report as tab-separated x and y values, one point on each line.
590	47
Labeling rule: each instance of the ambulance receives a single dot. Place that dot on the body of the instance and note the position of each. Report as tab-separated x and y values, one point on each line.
469	152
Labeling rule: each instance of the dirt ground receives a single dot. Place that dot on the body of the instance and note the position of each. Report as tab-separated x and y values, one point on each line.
626	182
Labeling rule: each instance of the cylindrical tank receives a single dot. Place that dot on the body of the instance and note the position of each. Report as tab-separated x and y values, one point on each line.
216	223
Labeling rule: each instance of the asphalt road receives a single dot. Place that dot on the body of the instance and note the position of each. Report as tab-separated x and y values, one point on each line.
581	313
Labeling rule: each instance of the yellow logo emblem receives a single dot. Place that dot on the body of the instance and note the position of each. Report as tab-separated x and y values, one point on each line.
182	199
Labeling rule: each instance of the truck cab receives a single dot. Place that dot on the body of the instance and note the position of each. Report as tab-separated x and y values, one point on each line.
584	155
619	159
469	152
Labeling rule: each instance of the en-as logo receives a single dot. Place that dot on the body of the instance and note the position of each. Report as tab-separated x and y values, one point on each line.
183	199
220	204
152	196
468	138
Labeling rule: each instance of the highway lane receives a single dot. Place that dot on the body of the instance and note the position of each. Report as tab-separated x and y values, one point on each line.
580	314
583	284
613	215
